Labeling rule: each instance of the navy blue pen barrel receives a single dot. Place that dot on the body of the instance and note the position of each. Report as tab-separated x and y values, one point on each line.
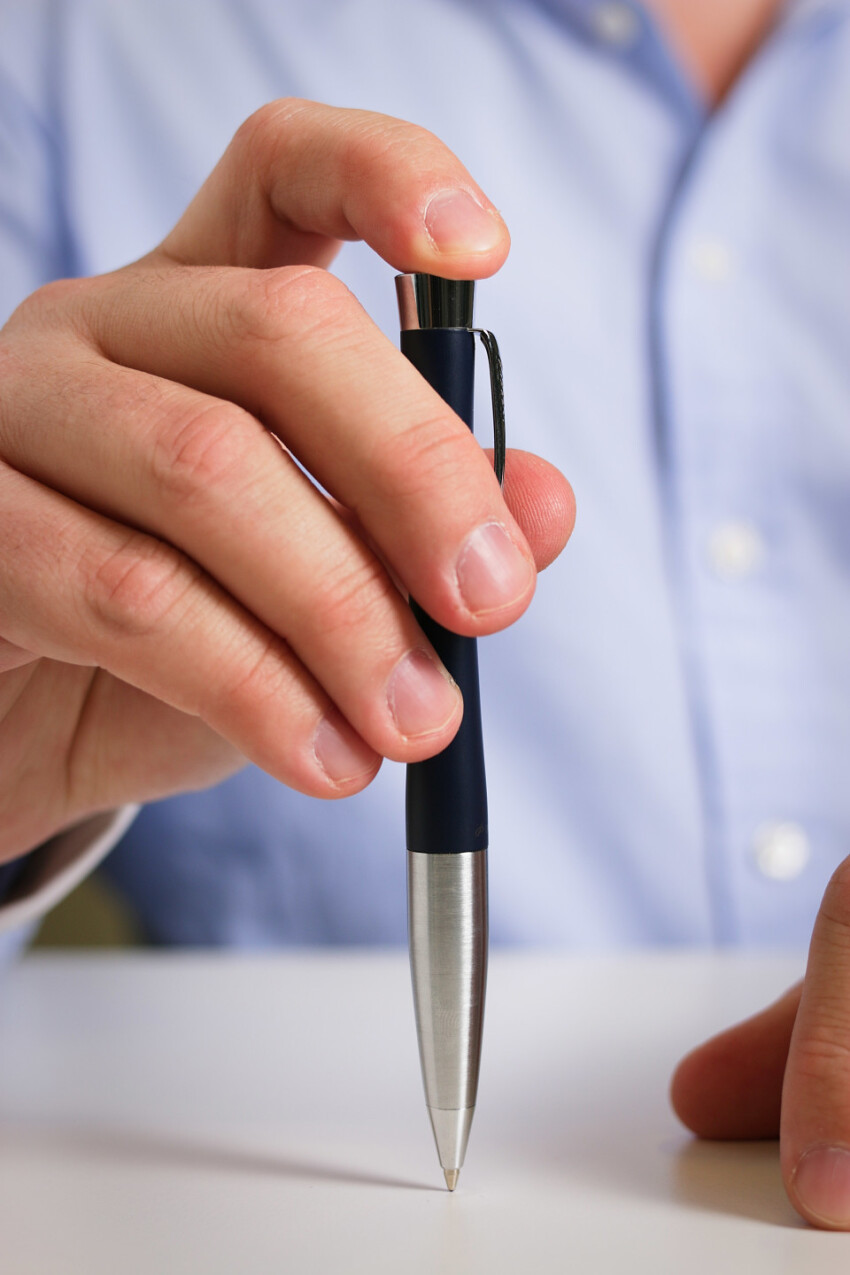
447	794
446	358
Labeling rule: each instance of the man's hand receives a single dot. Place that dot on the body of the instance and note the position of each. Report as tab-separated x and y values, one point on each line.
786	1072
175	593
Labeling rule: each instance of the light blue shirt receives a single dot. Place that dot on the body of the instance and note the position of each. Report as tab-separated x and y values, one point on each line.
668	729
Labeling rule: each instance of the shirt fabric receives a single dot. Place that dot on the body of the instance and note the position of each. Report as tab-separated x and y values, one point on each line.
668	728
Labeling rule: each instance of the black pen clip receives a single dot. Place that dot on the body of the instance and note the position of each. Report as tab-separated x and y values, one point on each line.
497	398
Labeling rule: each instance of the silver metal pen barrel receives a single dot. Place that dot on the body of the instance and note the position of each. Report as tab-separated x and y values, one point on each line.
447	912
446	795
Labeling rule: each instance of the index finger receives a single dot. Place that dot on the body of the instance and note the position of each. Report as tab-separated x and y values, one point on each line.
295	348
815	1129
299	177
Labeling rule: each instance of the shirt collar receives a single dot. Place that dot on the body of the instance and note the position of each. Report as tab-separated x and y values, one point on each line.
624	31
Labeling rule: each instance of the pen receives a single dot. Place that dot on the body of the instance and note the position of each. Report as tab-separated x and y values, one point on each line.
446	803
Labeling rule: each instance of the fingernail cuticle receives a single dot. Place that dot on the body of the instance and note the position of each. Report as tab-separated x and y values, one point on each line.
339	750
492	572
821	1183
457	223
422	697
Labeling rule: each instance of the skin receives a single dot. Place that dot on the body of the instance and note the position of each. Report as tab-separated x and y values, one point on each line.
715	39
785	1072
176	597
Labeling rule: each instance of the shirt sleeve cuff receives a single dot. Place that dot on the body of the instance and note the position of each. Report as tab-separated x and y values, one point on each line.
55	868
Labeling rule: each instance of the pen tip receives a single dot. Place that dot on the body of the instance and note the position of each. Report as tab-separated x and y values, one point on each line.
451	1176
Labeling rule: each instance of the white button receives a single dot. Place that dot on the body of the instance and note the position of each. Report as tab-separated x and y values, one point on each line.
615	23
712	260
781	850
735	550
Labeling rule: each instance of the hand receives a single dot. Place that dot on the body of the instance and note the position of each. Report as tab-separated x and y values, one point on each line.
786	1073
175	594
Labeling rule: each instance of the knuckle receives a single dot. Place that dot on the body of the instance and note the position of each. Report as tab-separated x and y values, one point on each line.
429	455
258	137
55	305
351	595
286	303
388	144
259	679
825	1053
14	369
132	591
193	455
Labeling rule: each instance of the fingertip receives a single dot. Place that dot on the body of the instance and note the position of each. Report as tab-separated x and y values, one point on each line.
342	756
543	503
686	1097
719	1097
819	1187
424	701
495	576
467	233
730	1087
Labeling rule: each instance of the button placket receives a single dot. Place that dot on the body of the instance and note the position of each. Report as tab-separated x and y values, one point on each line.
781	850
736	550
614	24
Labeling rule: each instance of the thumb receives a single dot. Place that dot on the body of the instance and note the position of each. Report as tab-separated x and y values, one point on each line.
815	1133
542	501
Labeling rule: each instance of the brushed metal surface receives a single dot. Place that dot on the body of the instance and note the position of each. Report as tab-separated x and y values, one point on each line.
447	914
451	1134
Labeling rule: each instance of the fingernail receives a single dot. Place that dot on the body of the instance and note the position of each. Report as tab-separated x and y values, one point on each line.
421	695
821	1184
340	751
491	571
457	223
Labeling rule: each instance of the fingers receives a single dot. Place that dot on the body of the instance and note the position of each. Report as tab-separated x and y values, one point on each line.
540	500
76	587
815	1134
130	747
731	1087
299	176
195	472
295	349
210	480
12	657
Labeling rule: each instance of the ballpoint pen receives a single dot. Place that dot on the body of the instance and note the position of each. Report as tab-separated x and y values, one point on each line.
446	815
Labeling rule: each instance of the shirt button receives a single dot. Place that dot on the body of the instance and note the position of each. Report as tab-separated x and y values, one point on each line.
781	850
735	550
615	23
712	260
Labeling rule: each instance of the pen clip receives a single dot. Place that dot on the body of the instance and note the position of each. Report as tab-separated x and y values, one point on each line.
497	398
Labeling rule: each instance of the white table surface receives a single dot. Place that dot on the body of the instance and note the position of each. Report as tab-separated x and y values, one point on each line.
218	1113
